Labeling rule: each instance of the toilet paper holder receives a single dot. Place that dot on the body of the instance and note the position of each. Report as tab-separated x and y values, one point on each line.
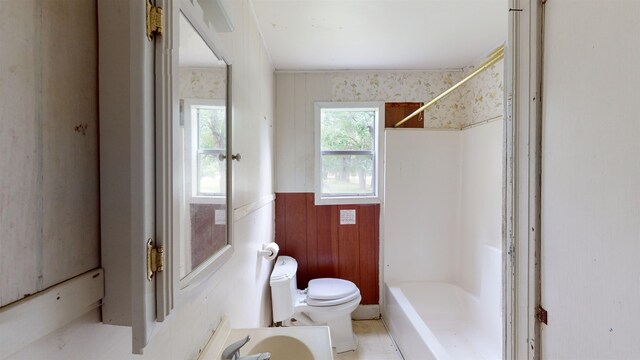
269	251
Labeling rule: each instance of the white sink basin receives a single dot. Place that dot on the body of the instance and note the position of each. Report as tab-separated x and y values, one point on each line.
281	346
284	343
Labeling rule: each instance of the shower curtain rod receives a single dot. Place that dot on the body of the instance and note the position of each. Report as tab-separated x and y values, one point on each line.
492	59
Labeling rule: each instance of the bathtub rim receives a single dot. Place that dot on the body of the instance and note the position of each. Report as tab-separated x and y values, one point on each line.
415	320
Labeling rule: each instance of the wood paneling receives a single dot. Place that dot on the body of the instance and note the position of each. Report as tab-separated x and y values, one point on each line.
323	248
394	112
312	238
368	231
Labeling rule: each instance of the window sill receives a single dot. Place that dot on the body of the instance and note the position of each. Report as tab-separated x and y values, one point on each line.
346	200
213	200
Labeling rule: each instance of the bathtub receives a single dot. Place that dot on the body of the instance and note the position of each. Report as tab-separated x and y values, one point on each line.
440	320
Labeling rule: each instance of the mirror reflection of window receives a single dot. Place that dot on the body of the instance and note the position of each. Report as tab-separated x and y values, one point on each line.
206	126
211	173
202	145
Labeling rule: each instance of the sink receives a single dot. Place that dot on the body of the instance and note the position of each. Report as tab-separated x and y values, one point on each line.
284	343
282	347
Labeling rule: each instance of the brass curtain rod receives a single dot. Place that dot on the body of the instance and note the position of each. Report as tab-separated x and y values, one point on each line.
492	59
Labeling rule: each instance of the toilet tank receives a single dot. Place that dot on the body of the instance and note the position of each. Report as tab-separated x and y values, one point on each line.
283	287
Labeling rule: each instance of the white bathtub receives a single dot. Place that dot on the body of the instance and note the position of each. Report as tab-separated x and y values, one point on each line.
439	320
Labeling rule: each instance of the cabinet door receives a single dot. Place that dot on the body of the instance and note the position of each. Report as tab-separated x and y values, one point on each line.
142	82
127	169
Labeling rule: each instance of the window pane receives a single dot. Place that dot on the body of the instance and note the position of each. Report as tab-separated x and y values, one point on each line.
212	175
347	175
211	127
347	129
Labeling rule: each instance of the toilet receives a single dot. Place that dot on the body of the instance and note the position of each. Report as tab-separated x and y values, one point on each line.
326	301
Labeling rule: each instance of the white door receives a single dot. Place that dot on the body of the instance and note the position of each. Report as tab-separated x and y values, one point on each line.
127	169
591	180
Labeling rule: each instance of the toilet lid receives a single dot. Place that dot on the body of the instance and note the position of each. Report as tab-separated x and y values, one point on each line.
331	289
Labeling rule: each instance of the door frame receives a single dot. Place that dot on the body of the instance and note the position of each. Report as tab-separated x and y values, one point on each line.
522	182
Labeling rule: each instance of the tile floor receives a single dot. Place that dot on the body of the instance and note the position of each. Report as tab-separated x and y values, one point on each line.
374	343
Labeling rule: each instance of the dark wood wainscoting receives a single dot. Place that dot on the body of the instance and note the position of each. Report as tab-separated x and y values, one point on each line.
323	248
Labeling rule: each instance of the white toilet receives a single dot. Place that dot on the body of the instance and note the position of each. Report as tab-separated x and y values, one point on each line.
325	302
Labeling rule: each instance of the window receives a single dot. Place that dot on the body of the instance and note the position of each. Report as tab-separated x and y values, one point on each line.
348	148
205	139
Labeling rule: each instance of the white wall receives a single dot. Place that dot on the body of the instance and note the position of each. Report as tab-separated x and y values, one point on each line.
49	212
240	288
480	200
443	203
591	180
421	205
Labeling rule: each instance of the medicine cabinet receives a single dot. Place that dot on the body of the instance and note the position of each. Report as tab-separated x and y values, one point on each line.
165	157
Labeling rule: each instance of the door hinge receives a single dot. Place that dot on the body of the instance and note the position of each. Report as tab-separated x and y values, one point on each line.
154	20
541	315
155	259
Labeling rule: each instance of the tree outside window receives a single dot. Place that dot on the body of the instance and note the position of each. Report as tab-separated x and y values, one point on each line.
348	138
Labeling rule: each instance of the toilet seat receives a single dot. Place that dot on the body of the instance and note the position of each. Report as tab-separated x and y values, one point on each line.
331	292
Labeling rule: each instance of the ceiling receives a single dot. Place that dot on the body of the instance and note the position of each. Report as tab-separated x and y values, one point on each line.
380	34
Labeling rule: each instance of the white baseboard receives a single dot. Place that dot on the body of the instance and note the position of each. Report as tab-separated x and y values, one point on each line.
366	312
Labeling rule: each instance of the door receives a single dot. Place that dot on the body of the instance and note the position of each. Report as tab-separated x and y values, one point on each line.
590	180
143	204
127	170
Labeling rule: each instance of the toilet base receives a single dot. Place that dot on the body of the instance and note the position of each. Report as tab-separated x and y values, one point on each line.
342	337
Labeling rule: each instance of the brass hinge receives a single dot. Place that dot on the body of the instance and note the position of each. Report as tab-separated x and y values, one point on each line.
154	20
155	259
541	315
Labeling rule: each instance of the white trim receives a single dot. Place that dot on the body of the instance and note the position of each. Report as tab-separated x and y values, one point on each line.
213	200
26	321
205	269
325	71
347	200
245	210
522	185
379	106
215	344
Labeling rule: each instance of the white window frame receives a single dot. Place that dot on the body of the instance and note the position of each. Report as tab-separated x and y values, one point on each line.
191	158
378	152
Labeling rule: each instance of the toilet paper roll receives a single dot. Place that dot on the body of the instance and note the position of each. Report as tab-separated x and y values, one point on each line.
270	251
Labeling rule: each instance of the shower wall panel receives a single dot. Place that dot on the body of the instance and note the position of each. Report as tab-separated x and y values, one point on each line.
421	205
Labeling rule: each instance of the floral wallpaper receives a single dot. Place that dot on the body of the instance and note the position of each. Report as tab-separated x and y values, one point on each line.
478	100
404	86
203	83
482	97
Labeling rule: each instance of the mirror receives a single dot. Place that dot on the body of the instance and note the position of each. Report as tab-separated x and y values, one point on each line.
201	150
